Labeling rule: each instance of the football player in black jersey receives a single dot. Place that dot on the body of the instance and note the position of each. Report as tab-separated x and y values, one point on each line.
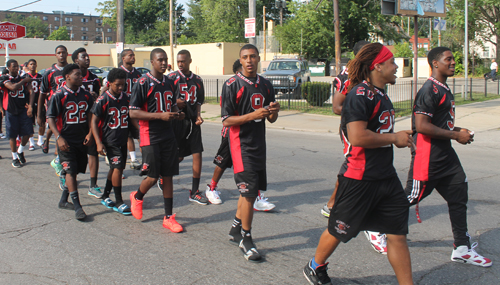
70	106
370	195
36	80
190	95
15	105
247	101
153	103
91	83
110	125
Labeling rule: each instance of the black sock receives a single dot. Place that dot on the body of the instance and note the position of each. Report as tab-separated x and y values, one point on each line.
64	197
93	181
139	195
107	189
196	185
118	195
247	239
76	201
236	227
169	205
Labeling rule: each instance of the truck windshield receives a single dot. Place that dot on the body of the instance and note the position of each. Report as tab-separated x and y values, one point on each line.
284	65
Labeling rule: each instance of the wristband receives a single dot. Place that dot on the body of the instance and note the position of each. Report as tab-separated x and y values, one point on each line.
58	137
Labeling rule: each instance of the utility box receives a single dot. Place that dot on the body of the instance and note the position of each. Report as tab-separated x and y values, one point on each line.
317	70
404	67
424	70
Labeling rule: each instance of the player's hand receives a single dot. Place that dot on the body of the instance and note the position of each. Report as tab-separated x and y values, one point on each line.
3	113
181	104
274	107
404	139
168	116
261	114
62	144
88	139
94	95
27	79
30	110
465	136
101	149
182	116
199	121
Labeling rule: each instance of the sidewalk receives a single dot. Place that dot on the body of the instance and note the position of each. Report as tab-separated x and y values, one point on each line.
481	116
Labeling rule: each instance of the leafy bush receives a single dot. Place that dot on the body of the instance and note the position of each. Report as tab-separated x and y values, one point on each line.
316	93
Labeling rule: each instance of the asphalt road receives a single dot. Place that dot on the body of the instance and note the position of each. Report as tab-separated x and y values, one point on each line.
40	244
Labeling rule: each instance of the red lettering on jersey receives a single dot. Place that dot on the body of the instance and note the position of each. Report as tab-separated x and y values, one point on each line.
120	117
76	112
434	88
188	95
19	93
387	121
360	91
58	80
257	101
230	81
142	80
451	123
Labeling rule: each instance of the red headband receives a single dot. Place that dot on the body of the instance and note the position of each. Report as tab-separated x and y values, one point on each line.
384	55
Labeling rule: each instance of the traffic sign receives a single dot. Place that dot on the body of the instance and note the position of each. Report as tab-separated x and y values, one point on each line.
439	25
119	47
10	31
249	28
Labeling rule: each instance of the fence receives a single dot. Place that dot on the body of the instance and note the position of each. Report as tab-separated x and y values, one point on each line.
306	98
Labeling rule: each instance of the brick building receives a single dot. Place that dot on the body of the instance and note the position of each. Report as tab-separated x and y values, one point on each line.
80	27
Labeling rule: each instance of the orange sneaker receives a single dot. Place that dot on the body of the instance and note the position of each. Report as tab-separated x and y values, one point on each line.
172	224
136	206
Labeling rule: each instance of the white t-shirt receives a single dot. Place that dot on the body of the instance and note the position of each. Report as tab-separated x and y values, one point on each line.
493	66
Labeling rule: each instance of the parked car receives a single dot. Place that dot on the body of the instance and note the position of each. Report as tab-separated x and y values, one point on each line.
288	74
142	70
107	68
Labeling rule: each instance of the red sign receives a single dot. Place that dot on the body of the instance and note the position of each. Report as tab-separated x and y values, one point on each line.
249	28
10	31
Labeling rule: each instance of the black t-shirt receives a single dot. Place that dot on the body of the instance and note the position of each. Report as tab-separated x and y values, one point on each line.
341	82
434	158
71	110
154	96
132	78
91	82
14	101
240	96
113	118
52	80
362	104
189	89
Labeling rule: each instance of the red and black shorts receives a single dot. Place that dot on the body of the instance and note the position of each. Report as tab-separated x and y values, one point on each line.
250	182
117	156
379	206
160	159
223	157
75	160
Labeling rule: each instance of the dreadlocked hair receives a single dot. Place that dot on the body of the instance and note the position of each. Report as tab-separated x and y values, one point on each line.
359	67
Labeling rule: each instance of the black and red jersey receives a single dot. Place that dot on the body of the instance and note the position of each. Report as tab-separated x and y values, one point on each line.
71	110
14	101
132	78
434	158
189	88
375	108
240	96
113	117
36	82
91	82
154	96
341	82
52	80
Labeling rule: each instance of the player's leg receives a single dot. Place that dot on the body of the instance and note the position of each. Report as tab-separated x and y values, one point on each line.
45	147
41	128
2	135
222	160
25	131
94	190
106	201
169	168
151	167
195	195
399	258
118	165
325	210
33	123
12	129
74	161
133	133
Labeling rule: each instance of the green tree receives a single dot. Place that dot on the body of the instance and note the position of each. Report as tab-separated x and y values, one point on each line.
403	49
35	28
60	34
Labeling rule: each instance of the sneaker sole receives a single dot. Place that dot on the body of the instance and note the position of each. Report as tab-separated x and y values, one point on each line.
81	215
324	213
198	202
233	241
94	195
16	166
459	260
109	207
266	210
123	213
66	206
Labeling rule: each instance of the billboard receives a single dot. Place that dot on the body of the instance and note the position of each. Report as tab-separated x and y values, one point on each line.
425	8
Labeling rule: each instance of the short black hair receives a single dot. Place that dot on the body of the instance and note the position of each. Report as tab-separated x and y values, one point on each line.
358	46
68	68
155	51
249	46
236	65
75	54
185	52
60	46
125	52
9	62
31	59
25	64
436	54
5	71
116	73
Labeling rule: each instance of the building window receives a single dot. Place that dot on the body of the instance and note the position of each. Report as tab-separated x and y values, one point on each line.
85	38
72	36
486	52
56	18
110	30
68	19
98	38
108	39
85	29
45	18
85	20
56	27
98	29
69	28
98	21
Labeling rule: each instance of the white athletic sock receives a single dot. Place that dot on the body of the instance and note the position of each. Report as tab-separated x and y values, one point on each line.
14	156
20	149
132	155
32	141
40	139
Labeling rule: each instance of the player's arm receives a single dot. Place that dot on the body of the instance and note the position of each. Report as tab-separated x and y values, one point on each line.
424	126
53	111
274	108
360	136
31	100
199	119
338	101
2	93
16	86
89	136
95	132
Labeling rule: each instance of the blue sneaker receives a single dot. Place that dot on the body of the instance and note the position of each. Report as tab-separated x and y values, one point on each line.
108	203
62	183
95	191
57	166
123	209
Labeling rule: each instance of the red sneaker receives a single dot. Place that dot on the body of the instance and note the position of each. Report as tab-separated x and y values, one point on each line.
136	206
172	224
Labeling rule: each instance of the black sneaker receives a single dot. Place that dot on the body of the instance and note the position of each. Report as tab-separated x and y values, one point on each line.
66	206
45	147
198	198
80	214
250	251
21	157
318	276
16	163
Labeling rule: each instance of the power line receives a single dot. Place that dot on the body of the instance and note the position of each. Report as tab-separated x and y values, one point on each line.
22	5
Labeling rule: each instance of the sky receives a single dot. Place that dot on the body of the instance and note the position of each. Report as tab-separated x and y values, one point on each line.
47	6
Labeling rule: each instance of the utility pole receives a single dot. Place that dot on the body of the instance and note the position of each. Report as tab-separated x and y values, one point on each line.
337	36
264	24
175	23
171	33
120	30
252	13
466	53
439	33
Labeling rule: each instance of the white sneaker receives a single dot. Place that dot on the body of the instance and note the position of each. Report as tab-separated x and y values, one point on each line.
213	195
106	160
261	204
378	241
465	255
135	164
2	136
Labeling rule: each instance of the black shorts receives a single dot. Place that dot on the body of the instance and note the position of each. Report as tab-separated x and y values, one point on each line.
456	183
188	136
133	132
223	157
160	159
92	149
75	160
250	182
117	156
379	206
18	125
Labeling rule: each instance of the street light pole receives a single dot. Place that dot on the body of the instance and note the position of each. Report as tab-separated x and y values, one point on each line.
252	7
171	33
466	53
337	36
